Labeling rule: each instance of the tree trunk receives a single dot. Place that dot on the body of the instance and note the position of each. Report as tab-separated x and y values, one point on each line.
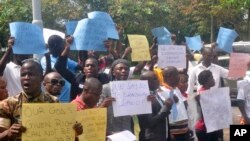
212	26
212	29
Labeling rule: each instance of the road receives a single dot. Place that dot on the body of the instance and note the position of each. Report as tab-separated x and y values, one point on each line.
236	116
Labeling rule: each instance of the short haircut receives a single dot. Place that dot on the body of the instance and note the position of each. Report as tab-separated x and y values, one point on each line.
116	62
168	71
54	41
35	64
92	84
203	77
205	49
94	59
183	75
145	75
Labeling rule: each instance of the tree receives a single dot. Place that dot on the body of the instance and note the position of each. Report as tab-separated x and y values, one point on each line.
182	17
242	7
11	11
139	17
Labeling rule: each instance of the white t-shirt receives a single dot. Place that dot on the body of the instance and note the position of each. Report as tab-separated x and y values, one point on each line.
244	94
216	70
12	77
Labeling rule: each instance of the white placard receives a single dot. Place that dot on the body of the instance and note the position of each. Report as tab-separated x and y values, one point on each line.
49	32
171	55
130	97
216	108
122	136
180	106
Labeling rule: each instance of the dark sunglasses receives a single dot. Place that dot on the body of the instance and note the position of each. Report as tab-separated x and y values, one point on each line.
55	81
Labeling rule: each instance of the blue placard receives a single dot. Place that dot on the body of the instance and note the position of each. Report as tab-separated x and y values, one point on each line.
89	35
226	38
165	40
106	20
111	31
99	15
28	38
160	31
194	43
70	27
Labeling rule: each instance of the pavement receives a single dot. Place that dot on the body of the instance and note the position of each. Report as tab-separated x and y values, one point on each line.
236	117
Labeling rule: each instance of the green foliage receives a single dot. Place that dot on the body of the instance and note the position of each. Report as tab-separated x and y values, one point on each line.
139	17
11	11
182	17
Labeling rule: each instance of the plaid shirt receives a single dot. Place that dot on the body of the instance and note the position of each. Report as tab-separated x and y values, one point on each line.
11	108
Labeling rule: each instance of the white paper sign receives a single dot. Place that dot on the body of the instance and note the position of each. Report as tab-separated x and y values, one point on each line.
216	108
122	136
180	106
171	55
49	32
130	97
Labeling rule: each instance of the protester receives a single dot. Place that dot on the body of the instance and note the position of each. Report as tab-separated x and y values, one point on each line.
119	71
10	72
53	83
243	101
56	46
10	109
179	128
207	81
90	69
155	126
90	95
206	64
218	72
182	85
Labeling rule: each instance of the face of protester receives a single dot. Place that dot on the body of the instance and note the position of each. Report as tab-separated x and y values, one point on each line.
208	56
91	68
53	83
210	82
182	85
172	78
56	50
31	78
91	97
121	71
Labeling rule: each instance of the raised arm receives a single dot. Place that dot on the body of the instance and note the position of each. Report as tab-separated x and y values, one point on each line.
48	64
127	51
6	55
109	44
61	63
139	67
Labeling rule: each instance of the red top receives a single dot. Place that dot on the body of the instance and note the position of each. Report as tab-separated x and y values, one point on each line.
79	103
185	95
